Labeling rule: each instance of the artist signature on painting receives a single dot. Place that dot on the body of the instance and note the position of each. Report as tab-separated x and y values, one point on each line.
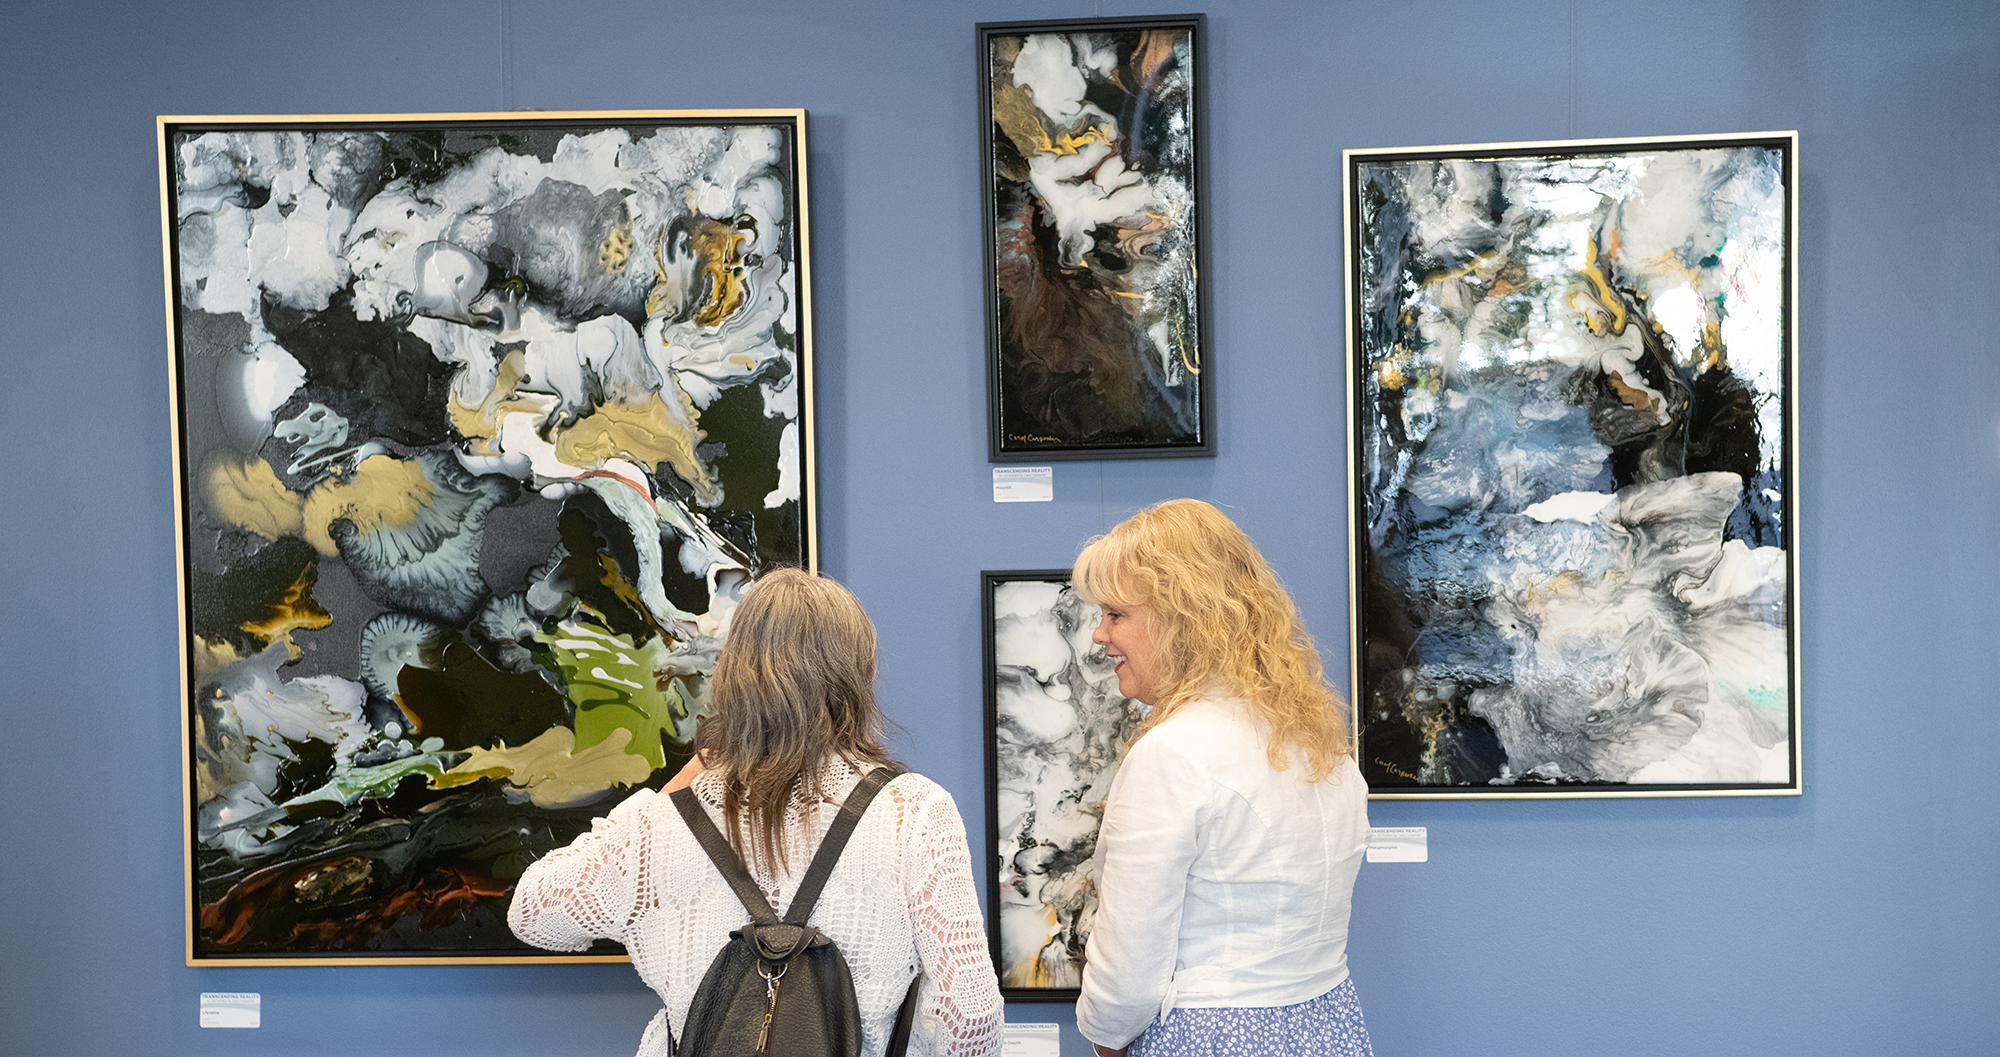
1034	438
1395	770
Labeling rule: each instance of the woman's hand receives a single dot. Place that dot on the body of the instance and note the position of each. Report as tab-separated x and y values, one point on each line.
686	776
1105	1051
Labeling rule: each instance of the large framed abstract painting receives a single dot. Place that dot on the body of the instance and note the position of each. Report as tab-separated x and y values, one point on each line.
1056	729
483	423
1574	469
1093	156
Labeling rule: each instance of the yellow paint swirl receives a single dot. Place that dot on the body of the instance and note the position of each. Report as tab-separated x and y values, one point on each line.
383	492
249	495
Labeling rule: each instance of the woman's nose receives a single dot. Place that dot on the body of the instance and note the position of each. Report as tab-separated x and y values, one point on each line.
1097	635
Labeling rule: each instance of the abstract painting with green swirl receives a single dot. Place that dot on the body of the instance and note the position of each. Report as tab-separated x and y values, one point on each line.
484	423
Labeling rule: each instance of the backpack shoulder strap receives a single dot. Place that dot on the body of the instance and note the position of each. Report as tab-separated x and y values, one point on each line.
899	1038
836	839
725	858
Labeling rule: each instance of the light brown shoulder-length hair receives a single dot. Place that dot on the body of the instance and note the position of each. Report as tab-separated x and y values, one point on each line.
794	687
1219	619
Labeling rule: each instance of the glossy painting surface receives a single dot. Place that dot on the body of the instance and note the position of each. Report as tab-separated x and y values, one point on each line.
1097	338
484	427
1060	729
1573	490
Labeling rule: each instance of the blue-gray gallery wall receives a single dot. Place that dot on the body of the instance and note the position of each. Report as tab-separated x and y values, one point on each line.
1860	918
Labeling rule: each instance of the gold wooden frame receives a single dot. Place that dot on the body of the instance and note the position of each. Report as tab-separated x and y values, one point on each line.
792	121
1786	141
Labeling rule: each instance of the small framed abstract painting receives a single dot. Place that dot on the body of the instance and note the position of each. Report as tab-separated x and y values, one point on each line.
1572	388
1093	138
1056	730
483	422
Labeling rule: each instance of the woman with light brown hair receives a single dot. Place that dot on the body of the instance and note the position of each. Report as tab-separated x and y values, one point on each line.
794	729
1238	819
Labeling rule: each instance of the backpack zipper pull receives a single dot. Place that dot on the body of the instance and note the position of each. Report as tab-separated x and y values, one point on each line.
771	990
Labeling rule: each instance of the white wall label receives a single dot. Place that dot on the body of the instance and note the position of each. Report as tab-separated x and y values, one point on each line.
1032	1040
1024	484
227	1009
1399	844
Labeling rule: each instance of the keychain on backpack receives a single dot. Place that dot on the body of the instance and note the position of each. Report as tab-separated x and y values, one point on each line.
770	989
823	1019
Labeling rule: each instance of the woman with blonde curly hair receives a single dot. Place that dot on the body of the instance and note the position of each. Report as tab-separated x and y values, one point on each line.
1238	820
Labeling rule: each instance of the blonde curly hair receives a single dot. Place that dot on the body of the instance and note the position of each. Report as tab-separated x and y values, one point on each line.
1219	619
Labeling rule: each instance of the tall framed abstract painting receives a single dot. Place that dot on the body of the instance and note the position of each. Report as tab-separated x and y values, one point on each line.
1093	153
483	422
1574	467
1056	729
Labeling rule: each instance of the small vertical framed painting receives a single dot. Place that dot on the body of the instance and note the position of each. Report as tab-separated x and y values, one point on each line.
1572	379
1056	729
1093	137
483	421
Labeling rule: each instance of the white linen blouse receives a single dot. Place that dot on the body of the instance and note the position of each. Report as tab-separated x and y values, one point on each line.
1221	882
900	898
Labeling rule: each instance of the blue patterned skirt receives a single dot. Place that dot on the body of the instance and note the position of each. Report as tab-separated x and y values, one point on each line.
1327	1026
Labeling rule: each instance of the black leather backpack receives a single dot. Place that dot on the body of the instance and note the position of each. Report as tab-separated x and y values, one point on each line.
780	987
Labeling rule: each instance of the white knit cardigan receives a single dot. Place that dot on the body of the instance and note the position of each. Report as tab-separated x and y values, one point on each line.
900	899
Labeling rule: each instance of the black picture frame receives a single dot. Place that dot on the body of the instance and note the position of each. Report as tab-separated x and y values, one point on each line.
1573	467
481	423
1054	740
1099	332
